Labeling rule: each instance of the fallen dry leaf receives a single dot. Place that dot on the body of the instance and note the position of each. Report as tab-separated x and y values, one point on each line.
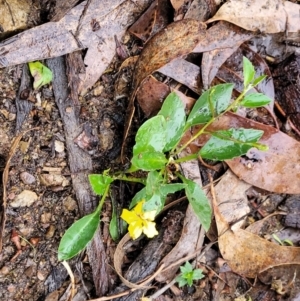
201	10
247	254
155	18
276	170
91	24
151	95
255	15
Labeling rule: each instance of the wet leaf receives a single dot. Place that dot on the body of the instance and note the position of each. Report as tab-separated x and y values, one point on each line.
277	169
78	236
228	144
41	74
149	160
174	113
255	100
151	136
211	103
99	183
246	254
199	202
151	95
248	72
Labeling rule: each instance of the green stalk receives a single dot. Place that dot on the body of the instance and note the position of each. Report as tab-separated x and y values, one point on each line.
100	205
200	132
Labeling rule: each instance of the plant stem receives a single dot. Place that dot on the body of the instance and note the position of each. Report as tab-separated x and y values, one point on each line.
130	179
100	205
186	158
200	132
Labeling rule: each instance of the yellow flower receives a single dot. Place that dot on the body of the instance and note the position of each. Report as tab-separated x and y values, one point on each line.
139	221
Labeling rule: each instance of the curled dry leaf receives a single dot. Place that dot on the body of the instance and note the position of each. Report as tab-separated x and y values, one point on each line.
255	15
276	170
249	254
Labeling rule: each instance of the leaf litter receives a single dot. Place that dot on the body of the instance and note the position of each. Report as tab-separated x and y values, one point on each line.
277	171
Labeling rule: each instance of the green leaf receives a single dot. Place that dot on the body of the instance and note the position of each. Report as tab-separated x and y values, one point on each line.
255	100
220	96
149	160
99	183
174	113
113	224
248	72
199	202
153	183
154	203
181	281
186	268
211	103
258	80
41	74
201	112
197	274
224	145
141	195
151	136
165	189
78	236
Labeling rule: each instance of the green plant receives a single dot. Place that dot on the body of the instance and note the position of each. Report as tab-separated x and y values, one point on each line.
41	74
188	275
156	150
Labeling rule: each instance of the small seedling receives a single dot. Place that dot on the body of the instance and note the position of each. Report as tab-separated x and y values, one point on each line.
188	275
158	144
41	74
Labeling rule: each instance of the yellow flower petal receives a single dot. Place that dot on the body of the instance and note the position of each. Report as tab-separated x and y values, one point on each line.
138	209
149	229
149	215
129	216
135	230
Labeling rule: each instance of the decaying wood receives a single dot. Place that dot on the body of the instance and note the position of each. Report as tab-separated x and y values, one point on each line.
80	165
23	105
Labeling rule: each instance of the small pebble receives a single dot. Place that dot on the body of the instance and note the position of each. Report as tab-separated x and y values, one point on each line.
27	178
25	199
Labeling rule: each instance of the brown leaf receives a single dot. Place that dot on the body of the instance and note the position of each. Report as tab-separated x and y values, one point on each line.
151	95
277	169
201	10
255	15
184	72
155	18
247	254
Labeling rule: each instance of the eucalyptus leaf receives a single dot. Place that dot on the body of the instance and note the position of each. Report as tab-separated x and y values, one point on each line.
228	144
255	100
199	202
174	113
41	74
78	236
248	72
148	161
99	182
151	136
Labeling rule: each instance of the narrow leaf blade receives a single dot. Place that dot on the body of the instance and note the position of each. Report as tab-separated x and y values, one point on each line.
248	72
78	236
230	143
255	100
199	202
